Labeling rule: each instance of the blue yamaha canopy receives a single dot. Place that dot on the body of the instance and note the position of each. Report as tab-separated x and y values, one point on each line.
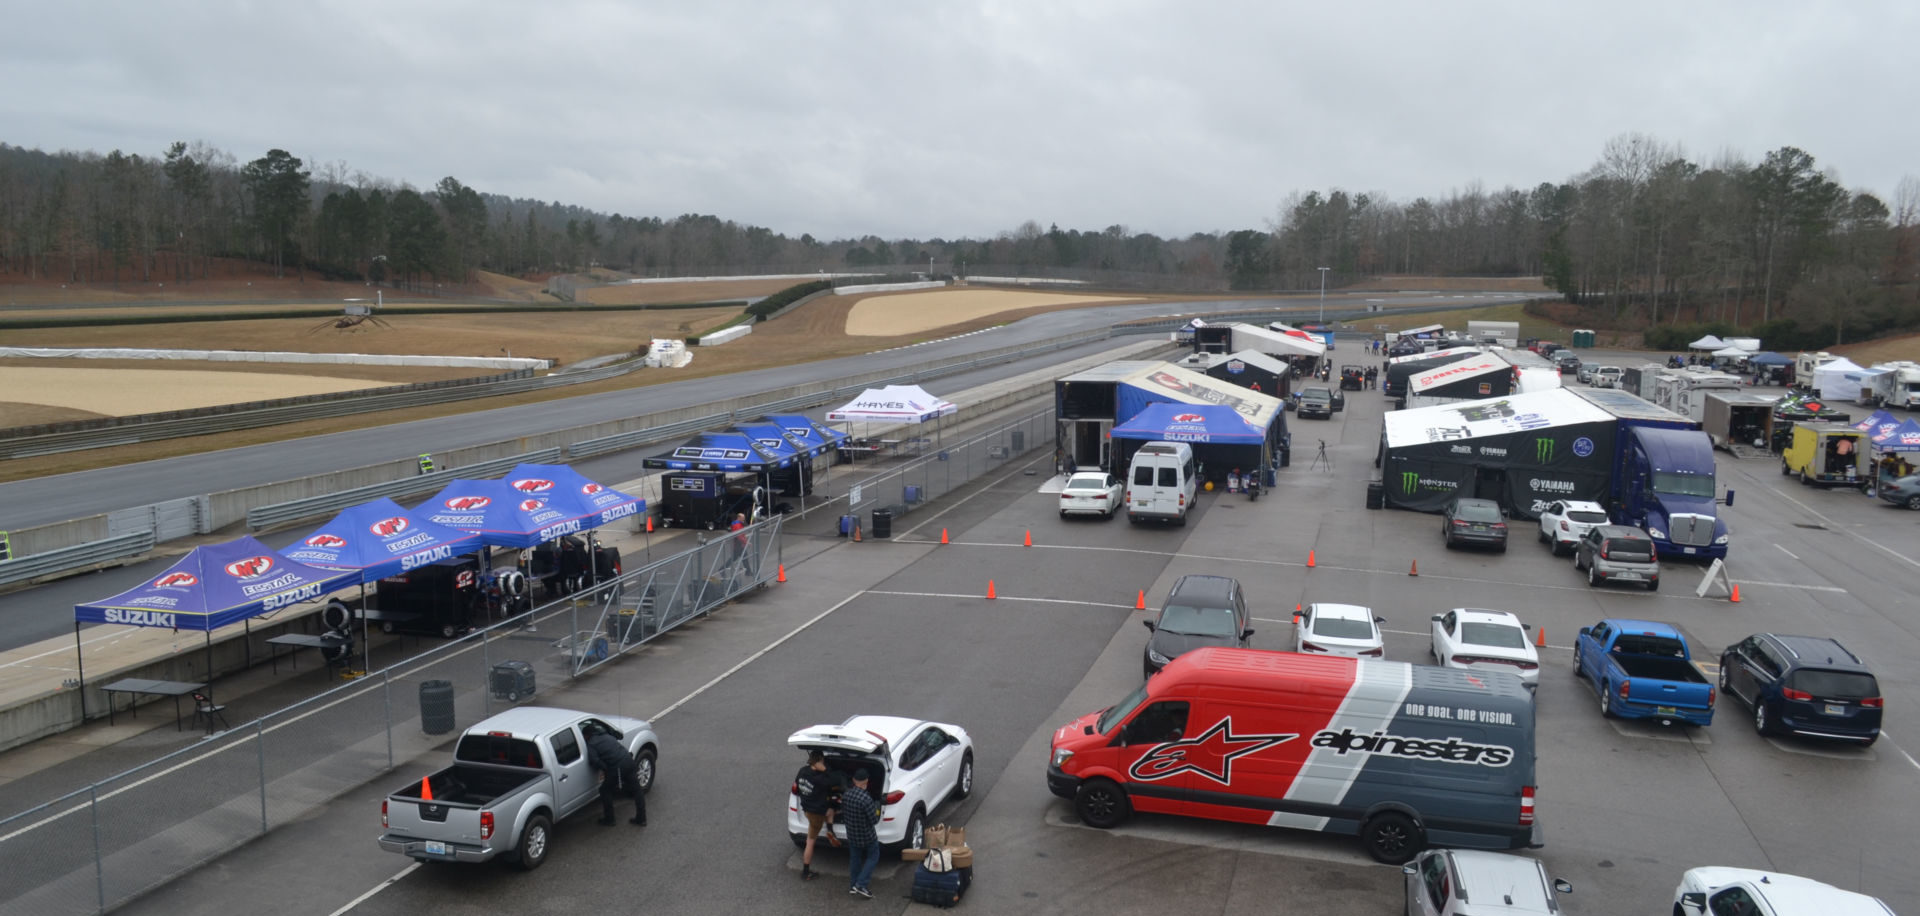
379	539
216	585
814	438
775	439
723	451
1214	423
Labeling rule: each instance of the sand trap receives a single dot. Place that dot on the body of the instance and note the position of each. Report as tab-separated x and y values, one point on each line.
912	313
124	392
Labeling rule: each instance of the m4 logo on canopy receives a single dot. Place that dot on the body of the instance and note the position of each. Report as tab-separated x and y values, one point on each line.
388	527
592	488
250	568
177	580
325	540
1188	418
533	485
530	505
468	503
1211	754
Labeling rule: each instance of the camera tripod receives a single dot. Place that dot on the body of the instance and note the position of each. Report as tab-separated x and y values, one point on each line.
1321	458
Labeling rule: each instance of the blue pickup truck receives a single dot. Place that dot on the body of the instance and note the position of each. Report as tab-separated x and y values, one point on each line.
1643	670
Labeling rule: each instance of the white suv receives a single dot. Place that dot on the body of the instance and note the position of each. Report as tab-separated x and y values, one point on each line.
913	767
1464	882
1564	521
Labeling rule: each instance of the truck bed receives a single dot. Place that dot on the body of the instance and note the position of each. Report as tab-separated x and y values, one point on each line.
471	784
1665	669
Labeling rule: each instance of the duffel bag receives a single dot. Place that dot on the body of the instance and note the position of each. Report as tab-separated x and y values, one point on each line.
940	888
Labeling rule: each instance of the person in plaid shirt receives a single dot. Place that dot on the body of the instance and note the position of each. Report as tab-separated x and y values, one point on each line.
860	814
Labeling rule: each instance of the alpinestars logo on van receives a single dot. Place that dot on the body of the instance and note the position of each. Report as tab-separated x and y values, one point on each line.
1210	755
1451	750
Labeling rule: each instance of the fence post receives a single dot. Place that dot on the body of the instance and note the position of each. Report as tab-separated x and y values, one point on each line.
99	867
260	744
486	667
386	696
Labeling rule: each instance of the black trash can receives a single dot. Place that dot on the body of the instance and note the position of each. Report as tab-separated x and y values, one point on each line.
436	707
1286	456
1019	438
1376	494
883	523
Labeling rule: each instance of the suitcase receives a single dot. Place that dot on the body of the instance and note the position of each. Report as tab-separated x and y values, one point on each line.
941	888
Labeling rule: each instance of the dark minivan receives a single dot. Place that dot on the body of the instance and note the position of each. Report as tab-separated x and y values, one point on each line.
1200	611
1803	685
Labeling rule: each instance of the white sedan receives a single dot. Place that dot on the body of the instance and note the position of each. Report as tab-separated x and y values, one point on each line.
913	766
1564	521
1480	640
1092	493
1339	629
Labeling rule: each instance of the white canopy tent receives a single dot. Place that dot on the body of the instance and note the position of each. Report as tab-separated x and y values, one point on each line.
1830	379
1732	353
1276	343
892	404
1708	342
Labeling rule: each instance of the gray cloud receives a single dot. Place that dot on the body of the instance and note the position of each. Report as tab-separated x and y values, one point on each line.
846	118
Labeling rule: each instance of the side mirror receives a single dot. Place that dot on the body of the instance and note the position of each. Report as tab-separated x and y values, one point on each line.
1435	618
1381	620
1148	624
1561	885
1729	497
1409	870
1697	900
1246	634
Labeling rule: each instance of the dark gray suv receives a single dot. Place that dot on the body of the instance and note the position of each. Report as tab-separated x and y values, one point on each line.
1200	611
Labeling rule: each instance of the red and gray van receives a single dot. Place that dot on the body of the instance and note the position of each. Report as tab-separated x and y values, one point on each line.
1402	756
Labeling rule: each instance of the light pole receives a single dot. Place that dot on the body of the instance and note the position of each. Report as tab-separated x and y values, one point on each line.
1323	295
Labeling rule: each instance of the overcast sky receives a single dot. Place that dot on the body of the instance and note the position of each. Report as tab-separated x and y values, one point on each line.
956	118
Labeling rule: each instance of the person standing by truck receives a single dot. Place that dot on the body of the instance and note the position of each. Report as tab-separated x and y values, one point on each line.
816	786
618	772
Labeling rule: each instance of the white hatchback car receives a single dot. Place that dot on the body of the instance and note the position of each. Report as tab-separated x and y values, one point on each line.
1716	889
1092	493
1564	521
914	767
1339	629
1475	639
1468	882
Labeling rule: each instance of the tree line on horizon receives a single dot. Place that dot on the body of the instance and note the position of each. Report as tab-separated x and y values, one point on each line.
1644	236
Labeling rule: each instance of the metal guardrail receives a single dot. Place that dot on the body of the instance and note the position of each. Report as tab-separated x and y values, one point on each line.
55	443
270	516
632	438
33	566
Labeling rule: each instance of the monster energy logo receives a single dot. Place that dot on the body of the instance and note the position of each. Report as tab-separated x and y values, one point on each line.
1409	480
1543	450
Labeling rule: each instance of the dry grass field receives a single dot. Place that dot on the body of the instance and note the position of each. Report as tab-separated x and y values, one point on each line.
1887	350
124	392
686	291
921	311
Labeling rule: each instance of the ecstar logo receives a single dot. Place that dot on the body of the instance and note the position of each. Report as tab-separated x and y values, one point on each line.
250	568
533	485
468	503
177	580
325	540
1210	755
388	527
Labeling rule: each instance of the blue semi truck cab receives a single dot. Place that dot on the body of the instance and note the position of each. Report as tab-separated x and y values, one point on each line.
1663	482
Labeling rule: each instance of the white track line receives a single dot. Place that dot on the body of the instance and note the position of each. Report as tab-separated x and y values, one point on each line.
363	898
1786	551
1124	607
755	656
1903	751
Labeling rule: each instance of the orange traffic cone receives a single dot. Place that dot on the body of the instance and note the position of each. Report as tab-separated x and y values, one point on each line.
783	573
989	589
1540	637
943	535
1415	570
1029	538
649	524
1297	609
426	789
1736	594
1309	559
1140	603
856	532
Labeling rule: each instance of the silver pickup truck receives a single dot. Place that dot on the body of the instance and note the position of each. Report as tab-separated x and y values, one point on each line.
514	776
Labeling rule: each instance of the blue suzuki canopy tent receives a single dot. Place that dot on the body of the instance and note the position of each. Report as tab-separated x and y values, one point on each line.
209	588
526	509
571	492
1215	423
375	540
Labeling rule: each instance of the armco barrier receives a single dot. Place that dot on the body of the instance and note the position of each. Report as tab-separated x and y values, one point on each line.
80	556
294	510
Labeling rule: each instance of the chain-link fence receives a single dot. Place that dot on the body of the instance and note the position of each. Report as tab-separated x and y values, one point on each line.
94	849
881	497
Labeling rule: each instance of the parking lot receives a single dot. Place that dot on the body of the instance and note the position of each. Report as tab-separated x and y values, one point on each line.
904	627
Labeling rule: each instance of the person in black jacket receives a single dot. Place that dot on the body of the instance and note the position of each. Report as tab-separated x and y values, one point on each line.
618	772
819	789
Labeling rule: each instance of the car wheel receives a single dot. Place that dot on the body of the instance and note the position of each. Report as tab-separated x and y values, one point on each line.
1542	533
1576	663
1653	585
1804	481
386	626
533	842
963	786
1500	547
1063	513
1102	803
1593	577
799	840
1133	519
447	631
1913	502
646	768
1760	721
916	837
1392	838
1784	470
1725	685
1576	560
1606	701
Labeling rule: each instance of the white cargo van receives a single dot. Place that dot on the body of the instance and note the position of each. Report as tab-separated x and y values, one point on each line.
1162	482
